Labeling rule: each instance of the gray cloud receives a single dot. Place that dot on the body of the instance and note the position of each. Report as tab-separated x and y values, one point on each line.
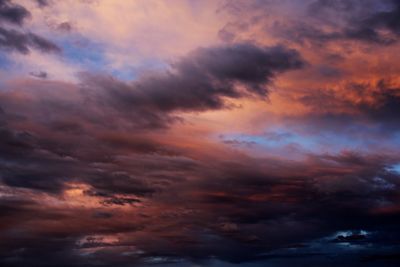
12	13
199	81
20	41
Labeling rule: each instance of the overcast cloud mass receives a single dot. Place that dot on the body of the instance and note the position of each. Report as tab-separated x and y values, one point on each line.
191	133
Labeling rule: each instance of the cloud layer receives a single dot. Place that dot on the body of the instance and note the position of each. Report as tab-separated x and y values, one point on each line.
260	133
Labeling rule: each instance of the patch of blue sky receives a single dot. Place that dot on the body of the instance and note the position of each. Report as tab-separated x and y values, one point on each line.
316	142
306	142
125	74
5	65
279	137
395	168
337	142
85	53
129	73
396	139
92	57
359	137
8	69
274	139
5	62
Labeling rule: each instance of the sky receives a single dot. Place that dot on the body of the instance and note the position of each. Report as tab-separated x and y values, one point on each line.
199	133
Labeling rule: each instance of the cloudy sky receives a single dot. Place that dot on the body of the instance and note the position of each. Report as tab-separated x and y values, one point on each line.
199	133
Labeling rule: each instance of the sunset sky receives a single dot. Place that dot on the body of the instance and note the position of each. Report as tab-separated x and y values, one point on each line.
199	133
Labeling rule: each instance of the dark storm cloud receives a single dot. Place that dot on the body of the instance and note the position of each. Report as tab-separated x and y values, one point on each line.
199	81
57	236
382	15
235	211
14	40
22	162
12	13
29	161
20	41
375	22
248	207
76	144
42	44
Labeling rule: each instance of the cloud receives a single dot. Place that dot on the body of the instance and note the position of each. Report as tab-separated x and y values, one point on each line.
367	21
353	237
121	201
197	82
42	3
21	42
64	27
376	102
12	39
13	13
247	205
39	74
131	46
240	152
54	138
314	22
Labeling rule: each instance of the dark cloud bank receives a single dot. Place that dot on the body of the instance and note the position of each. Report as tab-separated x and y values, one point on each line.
373	22
107	134
198	82
365	21
318	22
